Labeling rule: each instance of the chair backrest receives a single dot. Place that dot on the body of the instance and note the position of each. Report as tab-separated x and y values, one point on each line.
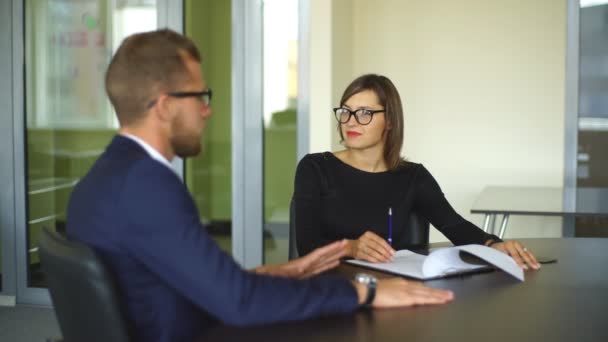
83	291
415	237
293	247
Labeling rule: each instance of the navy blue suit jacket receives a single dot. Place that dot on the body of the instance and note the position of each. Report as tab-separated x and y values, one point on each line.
139	217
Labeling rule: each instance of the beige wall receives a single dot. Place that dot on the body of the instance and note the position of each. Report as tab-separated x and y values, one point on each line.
342	52
482	84
320	75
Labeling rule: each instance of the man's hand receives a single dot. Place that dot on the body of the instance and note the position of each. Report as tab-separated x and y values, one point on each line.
396	292
313	263
370	247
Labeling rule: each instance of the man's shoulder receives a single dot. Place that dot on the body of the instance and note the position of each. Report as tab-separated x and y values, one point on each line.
123	163
118	180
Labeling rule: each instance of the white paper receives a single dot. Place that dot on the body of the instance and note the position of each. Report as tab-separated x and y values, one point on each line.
443	262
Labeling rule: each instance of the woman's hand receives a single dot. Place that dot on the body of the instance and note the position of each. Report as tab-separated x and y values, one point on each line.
370	247
313	263
522	256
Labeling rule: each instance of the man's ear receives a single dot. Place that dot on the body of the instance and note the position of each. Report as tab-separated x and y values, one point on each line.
162	108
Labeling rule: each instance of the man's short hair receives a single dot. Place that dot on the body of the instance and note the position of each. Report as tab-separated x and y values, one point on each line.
145	66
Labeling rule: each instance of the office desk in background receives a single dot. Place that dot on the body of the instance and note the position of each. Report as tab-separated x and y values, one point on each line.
536	201
565	301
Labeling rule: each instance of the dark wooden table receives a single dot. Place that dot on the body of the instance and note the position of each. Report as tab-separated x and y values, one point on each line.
565	301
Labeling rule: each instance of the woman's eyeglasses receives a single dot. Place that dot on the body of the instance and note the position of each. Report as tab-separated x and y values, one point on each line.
362	116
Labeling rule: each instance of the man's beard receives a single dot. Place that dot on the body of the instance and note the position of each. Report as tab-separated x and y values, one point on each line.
185	142
186	145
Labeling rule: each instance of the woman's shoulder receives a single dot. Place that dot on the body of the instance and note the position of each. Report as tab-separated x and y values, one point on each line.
316	158
314	163
417	171
407	166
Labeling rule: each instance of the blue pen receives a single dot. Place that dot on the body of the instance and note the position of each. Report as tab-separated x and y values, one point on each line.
390	226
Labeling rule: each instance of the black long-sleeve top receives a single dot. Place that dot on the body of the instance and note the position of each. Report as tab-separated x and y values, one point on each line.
335	201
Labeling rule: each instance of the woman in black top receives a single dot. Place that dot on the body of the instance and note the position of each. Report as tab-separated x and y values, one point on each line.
347	194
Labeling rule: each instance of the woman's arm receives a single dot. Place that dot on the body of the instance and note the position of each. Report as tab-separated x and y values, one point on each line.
431	203
308	189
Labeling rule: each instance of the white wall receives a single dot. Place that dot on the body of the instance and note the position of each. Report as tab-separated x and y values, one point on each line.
482	84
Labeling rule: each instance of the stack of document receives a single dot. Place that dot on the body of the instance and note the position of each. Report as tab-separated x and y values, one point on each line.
446	262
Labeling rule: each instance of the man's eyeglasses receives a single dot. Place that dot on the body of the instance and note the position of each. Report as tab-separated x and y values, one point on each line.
204	96
362	116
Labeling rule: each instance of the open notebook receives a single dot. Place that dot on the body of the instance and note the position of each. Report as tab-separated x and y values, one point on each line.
445	262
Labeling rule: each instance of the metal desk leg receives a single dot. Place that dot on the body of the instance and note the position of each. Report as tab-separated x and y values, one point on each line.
486	223
569	226
492	223
503	226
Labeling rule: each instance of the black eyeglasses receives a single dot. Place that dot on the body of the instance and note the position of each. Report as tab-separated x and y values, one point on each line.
362	116
204	96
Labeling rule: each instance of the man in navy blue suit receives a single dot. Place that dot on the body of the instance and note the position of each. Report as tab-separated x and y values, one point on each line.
135	212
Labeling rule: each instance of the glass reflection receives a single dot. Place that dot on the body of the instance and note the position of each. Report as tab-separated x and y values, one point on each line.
592	164
69	120
280	100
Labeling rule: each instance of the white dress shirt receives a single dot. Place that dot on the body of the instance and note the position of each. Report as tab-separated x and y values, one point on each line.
150	150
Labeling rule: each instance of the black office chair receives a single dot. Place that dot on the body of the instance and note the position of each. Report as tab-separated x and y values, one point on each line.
293	247
417	234
416	237
83	291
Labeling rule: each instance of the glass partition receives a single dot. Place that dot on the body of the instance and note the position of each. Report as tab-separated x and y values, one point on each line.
69	121
280	93
592	161
209	175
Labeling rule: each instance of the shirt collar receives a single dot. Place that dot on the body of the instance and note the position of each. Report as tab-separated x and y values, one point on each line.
154	154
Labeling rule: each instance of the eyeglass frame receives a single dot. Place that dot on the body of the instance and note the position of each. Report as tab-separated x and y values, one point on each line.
354	113
185	94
